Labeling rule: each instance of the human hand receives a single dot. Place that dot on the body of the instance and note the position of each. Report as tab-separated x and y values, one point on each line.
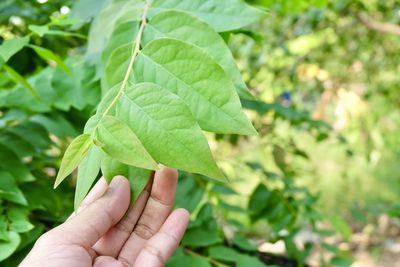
100	235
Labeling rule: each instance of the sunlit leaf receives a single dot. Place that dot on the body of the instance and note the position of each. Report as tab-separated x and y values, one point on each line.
195	77
87	174
74	154
171	135
181	25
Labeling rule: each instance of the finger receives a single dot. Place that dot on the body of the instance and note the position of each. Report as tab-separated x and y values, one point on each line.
97	191
111	243
105	261
158	208
94	221
161	246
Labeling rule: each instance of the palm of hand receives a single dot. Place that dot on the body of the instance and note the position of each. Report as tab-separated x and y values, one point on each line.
97	236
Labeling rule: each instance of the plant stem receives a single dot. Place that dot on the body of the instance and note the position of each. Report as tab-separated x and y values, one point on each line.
135	52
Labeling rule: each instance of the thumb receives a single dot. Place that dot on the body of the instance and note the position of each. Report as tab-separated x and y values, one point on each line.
94	221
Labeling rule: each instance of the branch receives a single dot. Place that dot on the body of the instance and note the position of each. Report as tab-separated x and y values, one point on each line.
378	26
135	52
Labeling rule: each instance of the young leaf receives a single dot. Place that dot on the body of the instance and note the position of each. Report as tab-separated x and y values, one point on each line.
226	15
47	54
10	47
111	167
167	129
121	143
87	174
74	154
107	99
195	77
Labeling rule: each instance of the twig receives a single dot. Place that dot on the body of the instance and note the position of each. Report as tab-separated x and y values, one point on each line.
378	26
135	52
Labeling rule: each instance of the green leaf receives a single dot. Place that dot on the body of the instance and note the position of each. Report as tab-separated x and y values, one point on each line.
55	124
107	100
8	247
20	146
224	15
223	253
103	25
45	30
121	143
123	34
342	226
244	244
86	9
195	77
341	262
32	132
199	237
10	162
19	79
138	179
111	167
189	193
171	135
30	237
76	89
91	124
181	259
12	46
117	66
47	54
19	221
87	174
74	154
39	30
9	189
246	261
181	26
259	199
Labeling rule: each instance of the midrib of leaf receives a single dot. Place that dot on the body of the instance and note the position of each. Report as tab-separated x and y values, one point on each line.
135	52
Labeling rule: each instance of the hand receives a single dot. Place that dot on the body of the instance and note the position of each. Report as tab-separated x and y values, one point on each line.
100	235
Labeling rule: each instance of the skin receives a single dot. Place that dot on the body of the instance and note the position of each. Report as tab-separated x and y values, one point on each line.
105	231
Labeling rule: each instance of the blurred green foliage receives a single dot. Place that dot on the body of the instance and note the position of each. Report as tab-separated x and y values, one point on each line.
327	112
